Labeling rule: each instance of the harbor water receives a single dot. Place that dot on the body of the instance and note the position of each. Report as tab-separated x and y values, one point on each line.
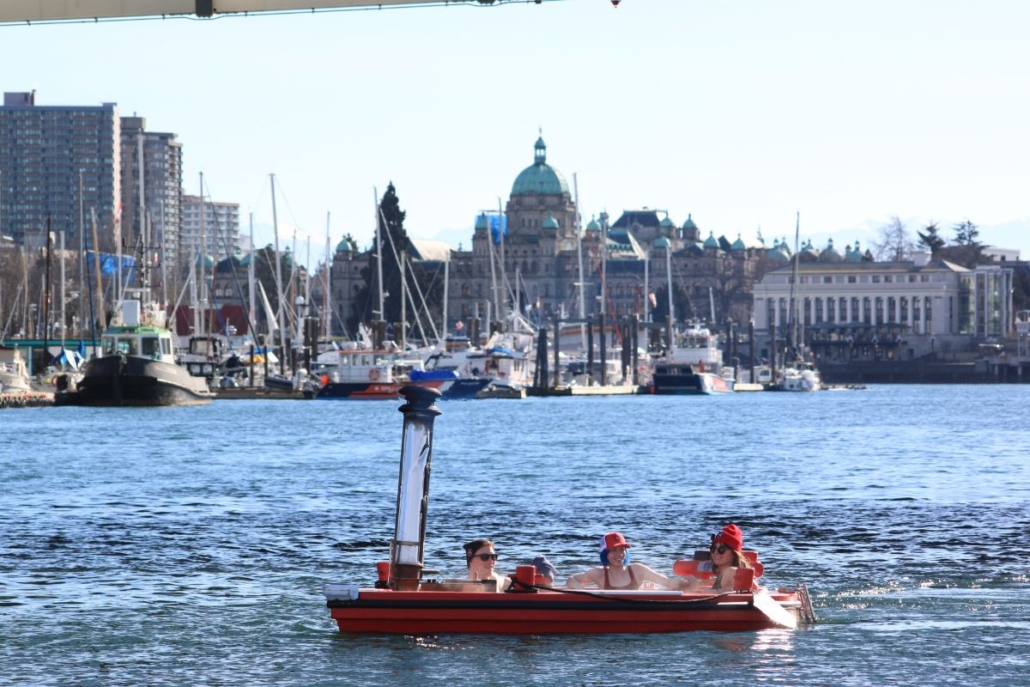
189	546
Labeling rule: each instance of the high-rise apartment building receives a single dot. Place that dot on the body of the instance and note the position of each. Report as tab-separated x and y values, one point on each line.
47	154
161	181
212	224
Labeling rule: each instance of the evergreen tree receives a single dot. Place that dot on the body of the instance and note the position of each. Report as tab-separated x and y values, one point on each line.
965	250
930	238
966	234
395	241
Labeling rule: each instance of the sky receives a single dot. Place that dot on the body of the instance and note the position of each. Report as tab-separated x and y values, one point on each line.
741	114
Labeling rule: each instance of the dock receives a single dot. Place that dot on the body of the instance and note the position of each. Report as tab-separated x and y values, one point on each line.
31	399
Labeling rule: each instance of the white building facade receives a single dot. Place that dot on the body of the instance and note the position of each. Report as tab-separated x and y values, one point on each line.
915	298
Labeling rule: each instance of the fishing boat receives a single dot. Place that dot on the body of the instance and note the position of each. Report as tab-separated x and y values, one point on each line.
498	370
357	371
693	365
801	376
14	375
402	602
137	365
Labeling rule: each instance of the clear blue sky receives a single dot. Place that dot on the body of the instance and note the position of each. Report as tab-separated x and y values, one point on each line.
740	113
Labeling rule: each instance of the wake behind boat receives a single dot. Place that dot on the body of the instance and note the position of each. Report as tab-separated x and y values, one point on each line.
402	602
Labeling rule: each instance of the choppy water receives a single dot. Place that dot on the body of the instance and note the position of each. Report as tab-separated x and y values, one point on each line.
188	546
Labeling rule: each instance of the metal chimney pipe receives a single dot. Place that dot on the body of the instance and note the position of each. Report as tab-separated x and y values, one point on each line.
406	549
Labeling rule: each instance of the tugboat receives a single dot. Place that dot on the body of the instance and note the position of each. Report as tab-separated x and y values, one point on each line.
137	366
402	602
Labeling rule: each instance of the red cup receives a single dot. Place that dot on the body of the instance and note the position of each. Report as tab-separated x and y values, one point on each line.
526	574
383	570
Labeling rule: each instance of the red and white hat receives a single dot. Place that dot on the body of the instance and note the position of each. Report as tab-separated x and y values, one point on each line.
612	540
731	536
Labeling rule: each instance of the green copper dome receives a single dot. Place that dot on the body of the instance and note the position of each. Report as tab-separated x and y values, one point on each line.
593	225
343	246
711	242
662	242
666	223
689	224
540	178
739	244
550	222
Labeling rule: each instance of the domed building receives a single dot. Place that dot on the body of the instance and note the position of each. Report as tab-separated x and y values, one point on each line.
531	256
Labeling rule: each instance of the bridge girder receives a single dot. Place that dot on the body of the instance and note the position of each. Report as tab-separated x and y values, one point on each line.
30	11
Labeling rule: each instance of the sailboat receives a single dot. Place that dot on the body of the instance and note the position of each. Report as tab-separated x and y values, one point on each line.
799	374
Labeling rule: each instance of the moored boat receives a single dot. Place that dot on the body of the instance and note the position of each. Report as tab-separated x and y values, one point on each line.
360	372
802	376
402	602
137	366
14	375
693	365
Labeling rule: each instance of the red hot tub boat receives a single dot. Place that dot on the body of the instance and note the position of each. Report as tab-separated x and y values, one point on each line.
401	602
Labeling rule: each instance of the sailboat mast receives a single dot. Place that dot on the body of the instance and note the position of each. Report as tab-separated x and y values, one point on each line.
579	260
379	258
502	230
446	288
279	281
142	239
202	281
327	278
792	317
604	263
82	260
252	296
668	276
63	313
493	273
46	294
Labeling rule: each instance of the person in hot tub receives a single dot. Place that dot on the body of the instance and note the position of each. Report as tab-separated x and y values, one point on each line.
617	572
481	557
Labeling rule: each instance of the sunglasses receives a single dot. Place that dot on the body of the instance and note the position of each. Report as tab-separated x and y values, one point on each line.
484	557
719	548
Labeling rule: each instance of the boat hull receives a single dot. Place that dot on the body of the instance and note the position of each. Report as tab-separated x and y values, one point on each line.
463	389
675	379
369	391
383	611
133	381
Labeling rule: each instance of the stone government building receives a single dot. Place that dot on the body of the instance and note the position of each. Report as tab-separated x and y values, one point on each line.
541	261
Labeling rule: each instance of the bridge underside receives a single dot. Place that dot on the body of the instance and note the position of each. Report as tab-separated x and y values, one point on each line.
28	11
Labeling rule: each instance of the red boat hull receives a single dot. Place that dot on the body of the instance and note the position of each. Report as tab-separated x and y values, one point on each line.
383	611
382	391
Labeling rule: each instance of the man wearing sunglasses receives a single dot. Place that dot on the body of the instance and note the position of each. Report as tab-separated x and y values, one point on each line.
480	557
